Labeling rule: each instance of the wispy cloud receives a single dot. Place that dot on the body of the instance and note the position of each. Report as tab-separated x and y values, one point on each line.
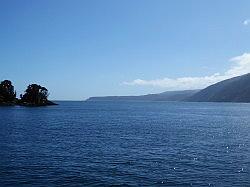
240	66
246	22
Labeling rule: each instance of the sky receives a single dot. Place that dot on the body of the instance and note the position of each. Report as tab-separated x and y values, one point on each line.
83	48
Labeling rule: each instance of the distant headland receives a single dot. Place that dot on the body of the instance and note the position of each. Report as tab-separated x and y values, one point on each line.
236	89
35	95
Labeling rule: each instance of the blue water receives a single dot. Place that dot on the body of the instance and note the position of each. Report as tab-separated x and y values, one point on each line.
125	144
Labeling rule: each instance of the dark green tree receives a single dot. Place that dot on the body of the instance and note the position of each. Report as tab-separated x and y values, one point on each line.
7	92
35	94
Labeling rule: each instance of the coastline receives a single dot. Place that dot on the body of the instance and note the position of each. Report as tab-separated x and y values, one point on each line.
18	103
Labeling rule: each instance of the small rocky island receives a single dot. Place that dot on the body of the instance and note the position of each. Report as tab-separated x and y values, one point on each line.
35	95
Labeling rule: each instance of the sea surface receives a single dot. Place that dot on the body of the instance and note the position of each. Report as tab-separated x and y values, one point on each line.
126	144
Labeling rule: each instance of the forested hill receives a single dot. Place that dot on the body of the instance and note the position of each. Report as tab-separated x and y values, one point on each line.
236	89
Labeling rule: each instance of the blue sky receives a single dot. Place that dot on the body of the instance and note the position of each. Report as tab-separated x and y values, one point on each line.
83	48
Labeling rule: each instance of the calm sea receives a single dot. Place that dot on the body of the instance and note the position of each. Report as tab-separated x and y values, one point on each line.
125	144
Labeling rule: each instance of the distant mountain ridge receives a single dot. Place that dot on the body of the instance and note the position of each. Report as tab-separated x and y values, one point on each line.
165	96
236	89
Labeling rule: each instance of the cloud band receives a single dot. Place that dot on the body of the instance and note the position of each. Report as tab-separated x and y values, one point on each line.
241	65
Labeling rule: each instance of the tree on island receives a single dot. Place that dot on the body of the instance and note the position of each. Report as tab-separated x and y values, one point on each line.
35	95
7	92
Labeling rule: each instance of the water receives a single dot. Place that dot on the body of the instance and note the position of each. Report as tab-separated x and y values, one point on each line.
126	144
